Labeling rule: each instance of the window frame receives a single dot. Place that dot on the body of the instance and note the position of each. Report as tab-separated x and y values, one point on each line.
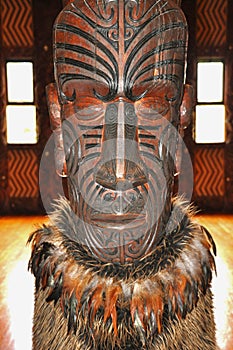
22	103
208	103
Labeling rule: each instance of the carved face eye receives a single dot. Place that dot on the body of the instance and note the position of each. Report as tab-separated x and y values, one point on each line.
83	109
89	108
152	108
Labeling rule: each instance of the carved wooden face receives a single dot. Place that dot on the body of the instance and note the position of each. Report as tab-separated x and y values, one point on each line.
119	68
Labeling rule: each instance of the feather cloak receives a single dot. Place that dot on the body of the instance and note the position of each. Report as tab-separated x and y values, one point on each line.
163	301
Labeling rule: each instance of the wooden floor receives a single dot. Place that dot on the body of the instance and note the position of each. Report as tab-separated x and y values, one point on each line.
16	283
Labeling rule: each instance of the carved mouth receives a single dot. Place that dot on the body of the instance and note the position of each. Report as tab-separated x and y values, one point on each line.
117	220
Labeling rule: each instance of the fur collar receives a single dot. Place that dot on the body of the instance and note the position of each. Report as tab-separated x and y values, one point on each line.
165	285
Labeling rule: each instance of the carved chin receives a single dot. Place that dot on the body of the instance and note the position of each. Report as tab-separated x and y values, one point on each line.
121	226
121	237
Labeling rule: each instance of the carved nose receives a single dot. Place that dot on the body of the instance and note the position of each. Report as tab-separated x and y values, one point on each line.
121	167
134	176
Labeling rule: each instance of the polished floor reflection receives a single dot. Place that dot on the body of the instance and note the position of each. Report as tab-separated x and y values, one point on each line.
16	284
221	228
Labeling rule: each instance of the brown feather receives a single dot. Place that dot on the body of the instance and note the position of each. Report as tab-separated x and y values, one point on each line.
96	301
112	295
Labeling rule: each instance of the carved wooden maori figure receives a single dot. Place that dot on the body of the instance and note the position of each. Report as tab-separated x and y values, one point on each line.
122	265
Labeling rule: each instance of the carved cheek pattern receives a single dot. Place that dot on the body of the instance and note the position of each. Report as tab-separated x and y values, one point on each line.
121	215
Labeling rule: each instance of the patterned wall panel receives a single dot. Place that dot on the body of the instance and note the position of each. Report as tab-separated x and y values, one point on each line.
4	202
23	173
209	172
229	176
16	17
211	23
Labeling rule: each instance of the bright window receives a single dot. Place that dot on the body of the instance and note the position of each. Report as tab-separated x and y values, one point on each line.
20	111
210	82
210	123
210	109
20	82
21	124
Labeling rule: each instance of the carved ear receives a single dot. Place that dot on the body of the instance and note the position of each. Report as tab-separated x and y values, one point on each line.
186	107
56	126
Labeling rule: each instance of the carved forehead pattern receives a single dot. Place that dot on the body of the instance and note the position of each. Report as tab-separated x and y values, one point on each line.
65	2
119	47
